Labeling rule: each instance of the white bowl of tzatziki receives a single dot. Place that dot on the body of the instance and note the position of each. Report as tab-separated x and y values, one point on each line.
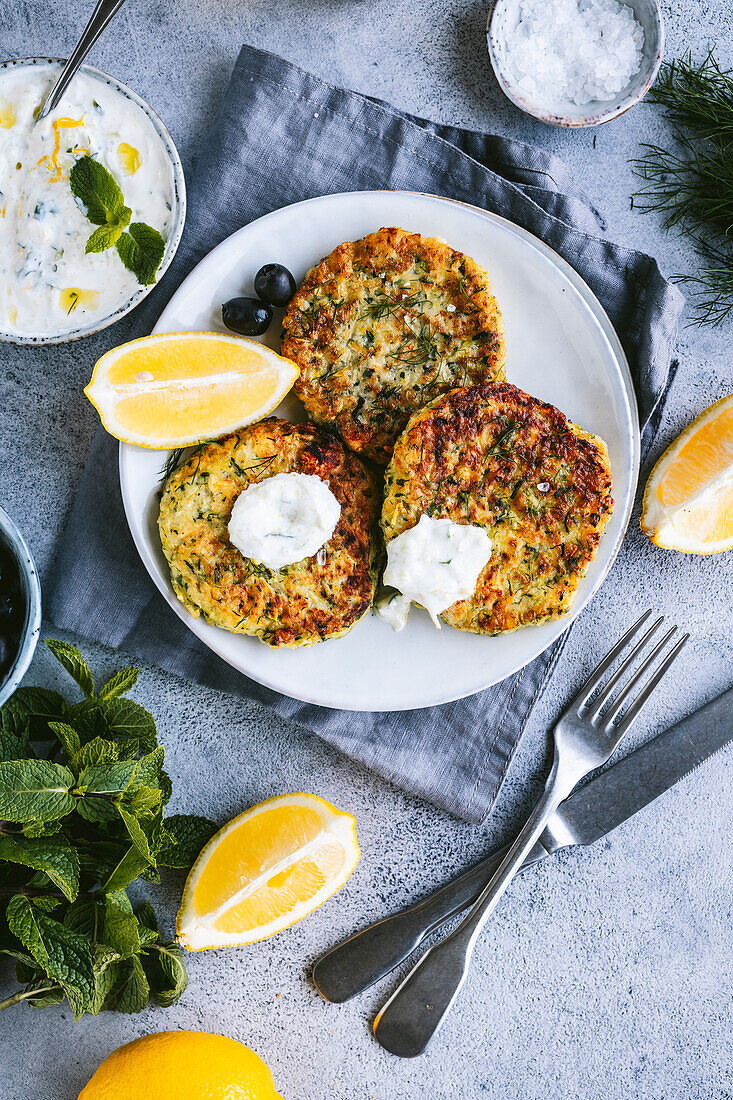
52	289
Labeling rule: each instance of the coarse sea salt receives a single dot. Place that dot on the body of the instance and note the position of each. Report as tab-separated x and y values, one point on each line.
574	50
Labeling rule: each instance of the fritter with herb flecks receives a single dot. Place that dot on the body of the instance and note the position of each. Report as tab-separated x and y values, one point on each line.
317	598
384	325
493	456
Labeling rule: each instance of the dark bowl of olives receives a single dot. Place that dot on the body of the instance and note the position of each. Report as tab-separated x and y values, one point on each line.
20	606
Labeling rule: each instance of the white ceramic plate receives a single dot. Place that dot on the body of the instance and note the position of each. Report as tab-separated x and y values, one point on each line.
561	347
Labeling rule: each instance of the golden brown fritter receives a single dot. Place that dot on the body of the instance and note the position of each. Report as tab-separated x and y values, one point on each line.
493	456
317	598
384	325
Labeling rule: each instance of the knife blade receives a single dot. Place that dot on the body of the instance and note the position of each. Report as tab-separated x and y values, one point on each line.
591	812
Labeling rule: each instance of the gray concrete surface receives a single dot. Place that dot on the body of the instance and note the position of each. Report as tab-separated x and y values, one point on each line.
606	974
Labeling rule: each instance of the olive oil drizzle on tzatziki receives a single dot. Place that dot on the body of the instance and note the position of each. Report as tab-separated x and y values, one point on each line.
48	284
434	564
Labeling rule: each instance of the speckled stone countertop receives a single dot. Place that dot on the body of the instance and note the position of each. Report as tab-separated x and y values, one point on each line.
605	974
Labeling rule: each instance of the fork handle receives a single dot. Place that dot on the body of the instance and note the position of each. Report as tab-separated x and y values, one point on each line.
419	1005
358	962
100	17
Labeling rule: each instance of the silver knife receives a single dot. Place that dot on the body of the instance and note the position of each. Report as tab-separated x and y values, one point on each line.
587	815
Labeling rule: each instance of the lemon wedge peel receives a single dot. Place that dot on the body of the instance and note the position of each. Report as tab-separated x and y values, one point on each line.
336	837
702	521
178	389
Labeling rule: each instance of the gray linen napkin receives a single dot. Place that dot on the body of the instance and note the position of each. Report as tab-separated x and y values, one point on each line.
283	135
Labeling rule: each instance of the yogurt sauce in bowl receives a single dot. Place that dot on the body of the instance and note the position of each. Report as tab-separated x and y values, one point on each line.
50	289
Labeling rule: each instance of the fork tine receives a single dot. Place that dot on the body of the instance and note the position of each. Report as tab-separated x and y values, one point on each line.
595	678
633	711
614	709
596	706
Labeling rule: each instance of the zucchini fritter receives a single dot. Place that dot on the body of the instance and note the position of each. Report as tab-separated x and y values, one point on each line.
384	325
317	598
493	456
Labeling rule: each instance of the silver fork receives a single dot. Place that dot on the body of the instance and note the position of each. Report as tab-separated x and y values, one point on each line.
586	735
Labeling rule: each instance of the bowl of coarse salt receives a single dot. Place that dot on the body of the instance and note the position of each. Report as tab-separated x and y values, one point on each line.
575	62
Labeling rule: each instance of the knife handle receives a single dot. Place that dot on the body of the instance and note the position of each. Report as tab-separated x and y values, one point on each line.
360	961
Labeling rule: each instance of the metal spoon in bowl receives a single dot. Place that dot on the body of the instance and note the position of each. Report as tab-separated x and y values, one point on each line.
101	16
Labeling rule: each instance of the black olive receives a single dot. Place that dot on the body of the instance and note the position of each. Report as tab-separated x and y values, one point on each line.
6	653
247	316
274	284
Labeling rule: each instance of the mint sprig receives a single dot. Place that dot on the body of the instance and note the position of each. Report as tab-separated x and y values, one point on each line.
100	197
82	801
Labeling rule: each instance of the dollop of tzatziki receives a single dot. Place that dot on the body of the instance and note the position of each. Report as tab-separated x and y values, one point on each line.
48	284
435	563
283	519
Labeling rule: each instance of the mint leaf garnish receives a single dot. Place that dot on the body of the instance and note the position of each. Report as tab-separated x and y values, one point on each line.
105	236
98	193
96	190
141	250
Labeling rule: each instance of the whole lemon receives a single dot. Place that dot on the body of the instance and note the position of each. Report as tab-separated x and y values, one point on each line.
182	1065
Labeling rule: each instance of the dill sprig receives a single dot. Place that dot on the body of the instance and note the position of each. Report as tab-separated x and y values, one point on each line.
171	462
692	183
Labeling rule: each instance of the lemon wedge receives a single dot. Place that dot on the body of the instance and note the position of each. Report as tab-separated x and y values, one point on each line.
186	387
265	870
688	500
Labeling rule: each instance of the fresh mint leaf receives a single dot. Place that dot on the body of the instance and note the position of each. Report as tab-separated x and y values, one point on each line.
96	751
97	811
105	236
103	958
85	917
166	786
68	737
122	682
87	719
148	768
137	833
184	837
35	789
43	993
32	709
63	954
143	801
96	190
166	973
70	657
55	856
125	718
42	828
107	779
147	924
120	925
13	747
129	867
129	991
141	250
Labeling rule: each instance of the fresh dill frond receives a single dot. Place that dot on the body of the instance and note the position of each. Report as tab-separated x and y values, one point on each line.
691	184
171	462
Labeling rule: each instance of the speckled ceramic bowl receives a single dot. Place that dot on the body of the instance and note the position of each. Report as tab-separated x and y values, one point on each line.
178	219
504	15
11	538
